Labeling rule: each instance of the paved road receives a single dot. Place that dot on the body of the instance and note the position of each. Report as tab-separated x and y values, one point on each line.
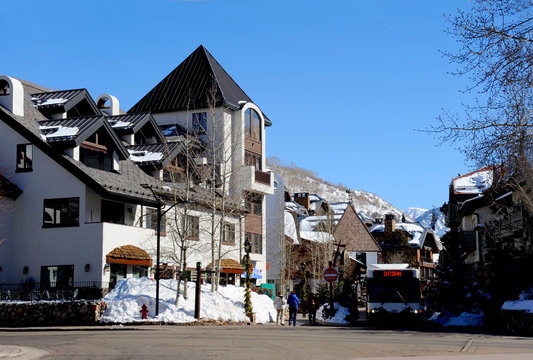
258	342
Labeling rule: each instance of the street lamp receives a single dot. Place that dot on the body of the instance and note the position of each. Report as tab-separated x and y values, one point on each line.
247	297
160	214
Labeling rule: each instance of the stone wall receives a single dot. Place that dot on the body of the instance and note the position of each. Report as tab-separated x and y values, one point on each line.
517	322
51	313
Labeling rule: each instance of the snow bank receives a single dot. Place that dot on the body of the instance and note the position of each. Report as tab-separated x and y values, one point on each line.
125	300
464	319
524	302
339	317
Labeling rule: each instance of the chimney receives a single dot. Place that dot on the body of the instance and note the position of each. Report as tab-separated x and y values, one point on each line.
108	104
12	95
302	199
390	223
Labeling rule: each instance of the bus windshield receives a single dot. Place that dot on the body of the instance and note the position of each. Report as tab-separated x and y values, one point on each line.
393	291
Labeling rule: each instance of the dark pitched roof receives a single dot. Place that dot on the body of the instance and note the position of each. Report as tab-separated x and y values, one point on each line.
131	123
72	132
53	102
152	154
8	189
193	85
110	185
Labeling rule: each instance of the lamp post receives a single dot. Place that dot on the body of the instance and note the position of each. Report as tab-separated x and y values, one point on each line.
159	205
247	297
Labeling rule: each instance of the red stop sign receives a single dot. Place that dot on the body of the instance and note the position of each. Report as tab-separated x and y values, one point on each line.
331	274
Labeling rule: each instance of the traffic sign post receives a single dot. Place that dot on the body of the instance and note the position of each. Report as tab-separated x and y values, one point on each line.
331	274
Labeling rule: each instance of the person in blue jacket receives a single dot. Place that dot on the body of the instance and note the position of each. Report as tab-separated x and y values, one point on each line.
293	302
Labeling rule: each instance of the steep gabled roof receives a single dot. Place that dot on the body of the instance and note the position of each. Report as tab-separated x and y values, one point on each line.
194	84
72	132
53	102
132	123
351	231
159	154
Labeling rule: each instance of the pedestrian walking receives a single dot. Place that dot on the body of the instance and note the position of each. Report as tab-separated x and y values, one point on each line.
279	305
312	307
293	302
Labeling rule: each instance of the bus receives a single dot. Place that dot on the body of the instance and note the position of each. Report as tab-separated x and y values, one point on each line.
393	291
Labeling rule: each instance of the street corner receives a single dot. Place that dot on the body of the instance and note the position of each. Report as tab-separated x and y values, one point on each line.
21	352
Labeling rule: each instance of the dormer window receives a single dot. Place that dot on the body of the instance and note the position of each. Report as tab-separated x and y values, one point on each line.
252	124
4	88
95	154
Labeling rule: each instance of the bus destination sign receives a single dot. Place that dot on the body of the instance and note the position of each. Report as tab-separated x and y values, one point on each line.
390	274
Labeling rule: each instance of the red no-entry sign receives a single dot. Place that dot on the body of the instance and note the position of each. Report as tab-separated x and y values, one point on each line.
331	274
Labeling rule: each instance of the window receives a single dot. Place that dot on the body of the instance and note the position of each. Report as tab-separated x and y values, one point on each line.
252	159
112	212
252	124
254	204
257	243
256	240
199	123
61	212
151	220
57	277
228	235
24	157
193	227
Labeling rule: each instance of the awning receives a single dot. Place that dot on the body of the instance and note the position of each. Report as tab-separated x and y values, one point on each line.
256	274
129	254
229	266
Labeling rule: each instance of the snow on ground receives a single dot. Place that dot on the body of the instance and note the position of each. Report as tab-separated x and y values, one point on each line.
125	300
339	317
524	302
464	319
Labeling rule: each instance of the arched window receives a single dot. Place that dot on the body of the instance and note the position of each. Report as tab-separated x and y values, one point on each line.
252	124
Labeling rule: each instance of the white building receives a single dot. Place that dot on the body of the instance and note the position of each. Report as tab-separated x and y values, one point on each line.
76	174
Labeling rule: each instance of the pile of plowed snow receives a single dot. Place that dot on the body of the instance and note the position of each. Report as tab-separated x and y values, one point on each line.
124	303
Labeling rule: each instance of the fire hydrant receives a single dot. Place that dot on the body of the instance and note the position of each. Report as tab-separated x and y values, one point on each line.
144	311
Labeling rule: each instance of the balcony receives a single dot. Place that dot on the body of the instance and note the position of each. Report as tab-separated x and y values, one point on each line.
256	181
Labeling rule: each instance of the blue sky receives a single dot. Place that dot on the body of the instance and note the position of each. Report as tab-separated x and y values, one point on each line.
347	84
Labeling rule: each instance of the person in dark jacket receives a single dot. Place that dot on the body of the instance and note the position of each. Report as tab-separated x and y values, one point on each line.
311	308
293	302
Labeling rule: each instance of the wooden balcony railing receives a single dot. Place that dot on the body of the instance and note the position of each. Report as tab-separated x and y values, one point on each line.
262	177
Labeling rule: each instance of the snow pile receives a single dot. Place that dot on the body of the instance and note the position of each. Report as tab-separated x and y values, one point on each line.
524	302
340	315
464	319
125	300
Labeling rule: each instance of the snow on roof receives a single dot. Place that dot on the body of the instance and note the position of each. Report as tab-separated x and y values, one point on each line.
294	206
475	182
309	223
416	231
116	124
290	227
144	156
47	102
317	236
339	208
58	131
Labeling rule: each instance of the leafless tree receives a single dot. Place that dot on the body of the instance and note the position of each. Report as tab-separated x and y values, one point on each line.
496	53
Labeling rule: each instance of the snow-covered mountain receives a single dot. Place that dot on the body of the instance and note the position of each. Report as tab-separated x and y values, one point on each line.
301	180
427	217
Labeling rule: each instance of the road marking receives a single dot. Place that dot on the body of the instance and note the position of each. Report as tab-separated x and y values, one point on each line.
467	346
